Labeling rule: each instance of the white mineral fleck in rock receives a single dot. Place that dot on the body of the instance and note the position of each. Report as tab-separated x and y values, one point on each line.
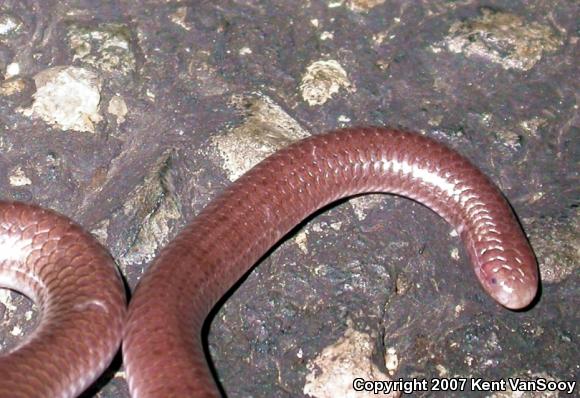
266	129
18	178
323	79
67	97
333	371
118	108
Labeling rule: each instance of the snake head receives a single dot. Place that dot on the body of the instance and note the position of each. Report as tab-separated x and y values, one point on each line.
510	277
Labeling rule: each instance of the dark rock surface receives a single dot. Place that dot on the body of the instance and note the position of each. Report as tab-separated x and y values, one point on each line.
190	94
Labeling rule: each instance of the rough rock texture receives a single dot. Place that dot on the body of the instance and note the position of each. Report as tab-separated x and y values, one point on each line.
192	93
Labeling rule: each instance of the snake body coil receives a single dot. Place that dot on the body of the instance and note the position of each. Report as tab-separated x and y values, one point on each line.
80	297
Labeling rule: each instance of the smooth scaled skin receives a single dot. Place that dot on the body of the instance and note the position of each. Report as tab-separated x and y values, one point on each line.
80	296
162	346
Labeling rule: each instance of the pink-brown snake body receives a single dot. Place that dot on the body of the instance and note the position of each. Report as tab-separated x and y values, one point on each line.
162	346
80	297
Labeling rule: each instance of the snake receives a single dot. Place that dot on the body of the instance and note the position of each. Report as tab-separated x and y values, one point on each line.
80	295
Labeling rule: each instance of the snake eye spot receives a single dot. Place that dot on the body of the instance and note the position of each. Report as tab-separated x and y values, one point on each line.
493	281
